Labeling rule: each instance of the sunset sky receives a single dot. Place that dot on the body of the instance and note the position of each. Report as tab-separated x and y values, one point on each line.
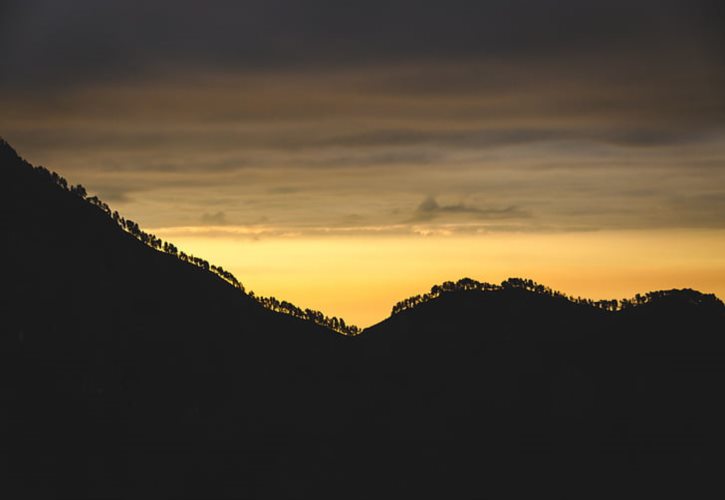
345	155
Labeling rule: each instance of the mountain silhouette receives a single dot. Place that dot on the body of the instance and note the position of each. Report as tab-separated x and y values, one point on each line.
129	371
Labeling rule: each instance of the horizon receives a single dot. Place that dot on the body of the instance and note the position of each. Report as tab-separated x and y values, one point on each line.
345	157
321	284
342	278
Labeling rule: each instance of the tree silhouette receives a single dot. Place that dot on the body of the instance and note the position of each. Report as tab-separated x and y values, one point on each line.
336	324
78	190
610	305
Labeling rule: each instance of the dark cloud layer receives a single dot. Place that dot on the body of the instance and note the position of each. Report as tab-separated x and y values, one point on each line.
70	42
519	114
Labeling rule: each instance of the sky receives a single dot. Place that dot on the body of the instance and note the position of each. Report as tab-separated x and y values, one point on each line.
345	155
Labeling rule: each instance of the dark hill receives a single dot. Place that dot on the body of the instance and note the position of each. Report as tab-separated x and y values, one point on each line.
524	388
128	373
122	367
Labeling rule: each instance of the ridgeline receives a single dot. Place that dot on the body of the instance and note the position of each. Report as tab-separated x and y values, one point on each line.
130	369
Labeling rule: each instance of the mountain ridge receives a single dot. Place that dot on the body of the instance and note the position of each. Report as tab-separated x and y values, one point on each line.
9	156
126	372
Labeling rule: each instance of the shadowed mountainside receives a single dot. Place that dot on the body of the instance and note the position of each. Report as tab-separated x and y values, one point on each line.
95	212
126	372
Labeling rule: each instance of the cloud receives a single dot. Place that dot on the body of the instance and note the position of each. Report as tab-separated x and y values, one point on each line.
429	209
587	114
214	219
283	190
48	44
114	194
372	158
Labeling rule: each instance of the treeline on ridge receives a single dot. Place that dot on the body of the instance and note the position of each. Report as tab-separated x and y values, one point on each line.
333	323
468	285
338	324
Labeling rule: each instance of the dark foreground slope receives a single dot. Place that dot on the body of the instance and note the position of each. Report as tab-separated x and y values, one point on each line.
124	370
125	373
518	393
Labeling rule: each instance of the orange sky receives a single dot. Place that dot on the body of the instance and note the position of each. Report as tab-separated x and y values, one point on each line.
360	278
343	193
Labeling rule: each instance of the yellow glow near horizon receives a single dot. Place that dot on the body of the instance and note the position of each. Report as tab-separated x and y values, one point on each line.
360	278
